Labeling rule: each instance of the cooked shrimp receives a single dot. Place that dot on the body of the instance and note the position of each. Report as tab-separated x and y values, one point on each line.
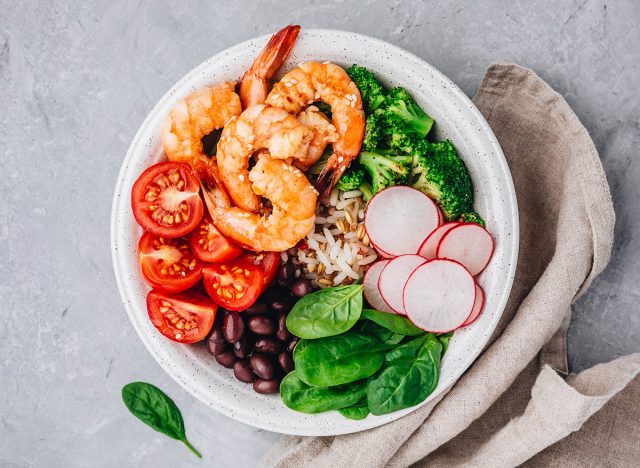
254	86
313	81
291	219
323	133
192	118
258	127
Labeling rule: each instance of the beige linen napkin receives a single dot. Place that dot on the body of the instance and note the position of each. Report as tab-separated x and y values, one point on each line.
514	406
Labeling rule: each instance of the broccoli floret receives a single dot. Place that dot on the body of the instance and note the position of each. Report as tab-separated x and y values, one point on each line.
385	170
472	217
367	191
351	180
404	143
441	174
403	115
371	90
373	132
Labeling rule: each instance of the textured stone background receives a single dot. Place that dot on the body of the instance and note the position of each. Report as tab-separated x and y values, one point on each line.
76	81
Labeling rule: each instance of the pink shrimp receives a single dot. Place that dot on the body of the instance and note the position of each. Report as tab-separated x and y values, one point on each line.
314	81
254	86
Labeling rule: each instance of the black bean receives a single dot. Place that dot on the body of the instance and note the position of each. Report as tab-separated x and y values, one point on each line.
262	366
292	344
267	345
216	342
241	348
282	304
286	273
242	371
226	359
232	327
261	325
257	308
282	334
301	287
266	386
286	361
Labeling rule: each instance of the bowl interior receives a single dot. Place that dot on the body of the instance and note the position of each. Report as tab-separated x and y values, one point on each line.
457	119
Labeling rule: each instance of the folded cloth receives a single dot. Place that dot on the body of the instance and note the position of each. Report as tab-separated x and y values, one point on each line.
514	405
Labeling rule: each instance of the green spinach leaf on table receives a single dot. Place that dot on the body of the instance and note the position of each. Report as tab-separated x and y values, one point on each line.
326	312
304	398
410	374
154	408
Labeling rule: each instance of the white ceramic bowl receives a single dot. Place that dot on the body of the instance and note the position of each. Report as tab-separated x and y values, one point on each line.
457	119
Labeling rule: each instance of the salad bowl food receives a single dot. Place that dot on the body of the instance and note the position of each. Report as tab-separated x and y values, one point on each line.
458	121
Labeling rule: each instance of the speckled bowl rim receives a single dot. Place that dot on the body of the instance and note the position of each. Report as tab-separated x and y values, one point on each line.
277	417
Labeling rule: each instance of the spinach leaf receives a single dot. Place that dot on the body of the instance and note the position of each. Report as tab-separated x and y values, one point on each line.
336	360
154	408
394	322
380	333
444	341
410	374
356	412
299	396
326	312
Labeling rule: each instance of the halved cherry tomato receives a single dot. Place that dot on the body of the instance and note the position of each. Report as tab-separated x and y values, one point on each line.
209	245
268	262
187	317
234	285
168	264
166	200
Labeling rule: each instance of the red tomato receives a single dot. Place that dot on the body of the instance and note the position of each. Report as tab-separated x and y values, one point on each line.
268	262
166	200
234	285
168	264
186	317
209	245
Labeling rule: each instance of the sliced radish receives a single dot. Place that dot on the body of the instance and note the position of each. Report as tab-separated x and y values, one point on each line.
371	291
430	244
477	307
439	295
382	253
469	244
394	276
398	219
440	216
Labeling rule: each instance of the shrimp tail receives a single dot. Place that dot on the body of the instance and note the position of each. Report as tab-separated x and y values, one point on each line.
331	173
214	193
254	84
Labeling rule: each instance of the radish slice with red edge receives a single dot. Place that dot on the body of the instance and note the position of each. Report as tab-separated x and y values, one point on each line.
371	291
394	276
469	244
440	216
477	307
398	219
430	245
382	253
439	296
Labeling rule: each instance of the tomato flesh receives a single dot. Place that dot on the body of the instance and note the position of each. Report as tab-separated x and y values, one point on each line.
168	264
209	245
234	285
166	200
268	262
185	318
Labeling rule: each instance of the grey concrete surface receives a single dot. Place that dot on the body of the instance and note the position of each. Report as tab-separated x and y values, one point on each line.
77	79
